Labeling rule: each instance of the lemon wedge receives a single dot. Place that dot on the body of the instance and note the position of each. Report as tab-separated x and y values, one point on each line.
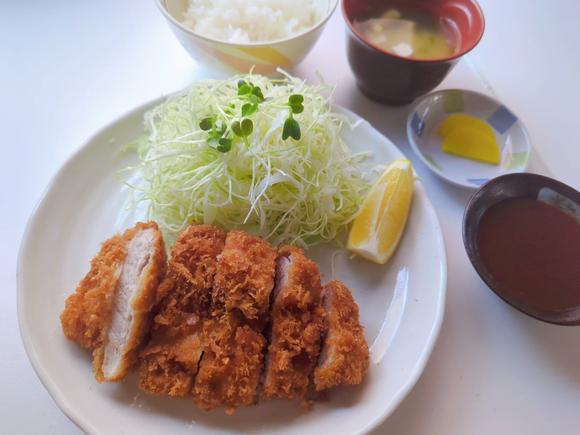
376	231
469	137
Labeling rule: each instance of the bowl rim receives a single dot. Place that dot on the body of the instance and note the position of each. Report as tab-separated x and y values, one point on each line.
410	59
471	254
416	149
161	5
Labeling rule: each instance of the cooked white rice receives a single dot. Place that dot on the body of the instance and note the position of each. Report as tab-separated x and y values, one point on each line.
242	21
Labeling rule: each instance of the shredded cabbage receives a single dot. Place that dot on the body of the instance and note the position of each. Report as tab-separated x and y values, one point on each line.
287	191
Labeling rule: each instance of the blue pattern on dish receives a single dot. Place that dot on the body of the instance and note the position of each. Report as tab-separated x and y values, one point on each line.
417	124
478	181
502	119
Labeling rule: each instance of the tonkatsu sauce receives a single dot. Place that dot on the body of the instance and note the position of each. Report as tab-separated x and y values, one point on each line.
532	252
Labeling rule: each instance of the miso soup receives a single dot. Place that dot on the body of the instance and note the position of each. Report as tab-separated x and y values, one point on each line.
417	34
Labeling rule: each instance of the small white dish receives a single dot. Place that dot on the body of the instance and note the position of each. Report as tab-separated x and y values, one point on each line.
401	304
431	110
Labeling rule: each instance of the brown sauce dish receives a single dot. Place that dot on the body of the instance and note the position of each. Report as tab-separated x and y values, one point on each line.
522	235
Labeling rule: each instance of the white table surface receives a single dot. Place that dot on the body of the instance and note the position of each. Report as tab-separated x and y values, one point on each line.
69	67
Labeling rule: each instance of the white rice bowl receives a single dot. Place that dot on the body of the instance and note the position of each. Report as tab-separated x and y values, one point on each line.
250	21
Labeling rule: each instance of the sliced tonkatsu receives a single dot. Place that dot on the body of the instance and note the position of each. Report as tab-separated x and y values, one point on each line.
229	372
228	319
169	365
344	359
110	311
296	326
169	362
245	278
231	366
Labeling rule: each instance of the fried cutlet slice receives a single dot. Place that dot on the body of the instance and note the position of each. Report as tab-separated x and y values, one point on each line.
297	322
184	297
168	367
110	311
231	365
87	312
344	359
169	363
229	372
245	276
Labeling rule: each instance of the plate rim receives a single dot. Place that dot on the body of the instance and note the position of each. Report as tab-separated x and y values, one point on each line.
83	422
442	175
43	376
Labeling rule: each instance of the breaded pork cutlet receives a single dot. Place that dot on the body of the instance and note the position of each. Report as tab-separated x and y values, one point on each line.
229	372
184	297
109	312
169	362
246	277
230	368
169	365
297	322
344	359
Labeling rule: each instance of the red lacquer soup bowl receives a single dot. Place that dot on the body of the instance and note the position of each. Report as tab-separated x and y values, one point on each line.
393	79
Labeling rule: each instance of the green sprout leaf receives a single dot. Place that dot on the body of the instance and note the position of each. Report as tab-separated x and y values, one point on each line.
249	109
247	127
297	108
245	89
206	124
224	145
237	129
243	129
295	99
295	102
257	92
291	129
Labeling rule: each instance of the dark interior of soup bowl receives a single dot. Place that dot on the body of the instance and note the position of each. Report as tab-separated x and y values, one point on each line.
519	186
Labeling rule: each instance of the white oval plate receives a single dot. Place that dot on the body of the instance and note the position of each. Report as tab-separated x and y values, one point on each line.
401	305
511	135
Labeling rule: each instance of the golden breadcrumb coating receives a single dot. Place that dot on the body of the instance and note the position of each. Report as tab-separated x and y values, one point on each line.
168	367
297	323
230	369
229	372
245	277
88	312
184	297
345	354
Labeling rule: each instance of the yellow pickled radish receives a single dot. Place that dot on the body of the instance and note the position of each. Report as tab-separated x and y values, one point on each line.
472	144
469	137
376	231
463	120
